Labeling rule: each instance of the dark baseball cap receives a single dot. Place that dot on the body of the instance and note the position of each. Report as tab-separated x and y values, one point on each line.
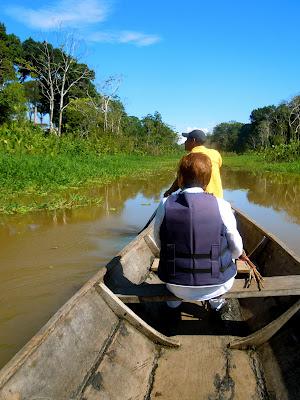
196	134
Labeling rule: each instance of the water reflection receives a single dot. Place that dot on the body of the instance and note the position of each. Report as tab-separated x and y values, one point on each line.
144	191
272	200
279	191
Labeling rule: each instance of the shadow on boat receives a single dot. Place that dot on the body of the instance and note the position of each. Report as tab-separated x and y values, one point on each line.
187	319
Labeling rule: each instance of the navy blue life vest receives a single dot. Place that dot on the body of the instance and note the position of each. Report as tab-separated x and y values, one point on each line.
194	248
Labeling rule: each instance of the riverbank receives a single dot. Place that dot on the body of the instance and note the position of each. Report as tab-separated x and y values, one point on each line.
41	182
255	162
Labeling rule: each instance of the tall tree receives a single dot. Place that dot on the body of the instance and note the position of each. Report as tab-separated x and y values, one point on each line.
70	73
61	77
108	92
294	117
156	132
262	119
10	55
225	135
43	59
12	103
33	96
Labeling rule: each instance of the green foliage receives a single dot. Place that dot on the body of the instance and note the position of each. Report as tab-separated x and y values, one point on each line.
256	162
84	116
156	132
262	114
10	54
225	135
25	138
282	152
12	103
273	132
132	125
34	98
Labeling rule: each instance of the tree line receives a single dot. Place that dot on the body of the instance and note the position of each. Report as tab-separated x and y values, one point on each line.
271	128
42	82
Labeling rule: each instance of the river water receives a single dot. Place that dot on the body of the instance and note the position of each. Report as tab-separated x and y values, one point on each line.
47	256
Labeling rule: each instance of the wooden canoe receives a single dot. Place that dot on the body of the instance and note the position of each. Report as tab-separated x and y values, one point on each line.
97	347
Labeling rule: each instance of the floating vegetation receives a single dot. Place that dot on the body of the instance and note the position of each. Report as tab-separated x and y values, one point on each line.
40	182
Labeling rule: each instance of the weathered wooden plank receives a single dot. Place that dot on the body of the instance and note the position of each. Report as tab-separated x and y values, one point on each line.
242	266
154	266
123	312
125	368
273	286
275	258
152	245
74	339
197	369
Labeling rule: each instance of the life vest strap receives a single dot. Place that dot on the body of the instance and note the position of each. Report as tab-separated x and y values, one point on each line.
201	270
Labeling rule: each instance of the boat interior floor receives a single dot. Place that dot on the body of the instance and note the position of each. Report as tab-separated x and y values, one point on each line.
201	368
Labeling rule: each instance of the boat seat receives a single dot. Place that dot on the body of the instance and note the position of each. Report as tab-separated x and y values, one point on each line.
288	285
242	266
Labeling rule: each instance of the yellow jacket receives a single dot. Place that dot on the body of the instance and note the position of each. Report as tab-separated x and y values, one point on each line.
215	184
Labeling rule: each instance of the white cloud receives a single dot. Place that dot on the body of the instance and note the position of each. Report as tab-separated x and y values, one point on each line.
137	38
78	14
72	13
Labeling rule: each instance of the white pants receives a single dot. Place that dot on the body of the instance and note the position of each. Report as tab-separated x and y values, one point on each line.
216	304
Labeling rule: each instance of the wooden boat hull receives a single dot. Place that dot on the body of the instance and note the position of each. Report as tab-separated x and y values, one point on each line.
96	347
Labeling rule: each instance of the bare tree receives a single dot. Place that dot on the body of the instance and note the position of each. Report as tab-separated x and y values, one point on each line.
70	73
294	117
108	91
58	71
46	68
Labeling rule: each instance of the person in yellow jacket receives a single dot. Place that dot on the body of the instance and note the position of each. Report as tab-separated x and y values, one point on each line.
195	144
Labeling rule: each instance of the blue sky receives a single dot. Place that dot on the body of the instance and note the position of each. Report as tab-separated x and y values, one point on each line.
196	62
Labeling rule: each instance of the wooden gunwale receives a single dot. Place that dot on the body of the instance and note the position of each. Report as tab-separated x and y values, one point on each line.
8	370
126	313
269	235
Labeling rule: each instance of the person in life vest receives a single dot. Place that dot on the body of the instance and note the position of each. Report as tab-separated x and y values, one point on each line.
197	236
195	144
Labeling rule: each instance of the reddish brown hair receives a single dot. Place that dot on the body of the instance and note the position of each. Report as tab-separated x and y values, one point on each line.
194	170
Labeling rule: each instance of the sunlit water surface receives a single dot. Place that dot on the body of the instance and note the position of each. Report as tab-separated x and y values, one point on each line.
46	257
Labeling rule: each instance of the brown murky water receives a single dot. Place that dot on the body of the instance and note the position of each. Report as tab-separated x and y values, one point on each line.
46	257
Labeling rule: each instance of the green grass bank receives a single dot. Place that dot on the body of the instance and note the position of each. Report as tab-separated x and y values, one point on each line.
256	162
31	182
43	182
